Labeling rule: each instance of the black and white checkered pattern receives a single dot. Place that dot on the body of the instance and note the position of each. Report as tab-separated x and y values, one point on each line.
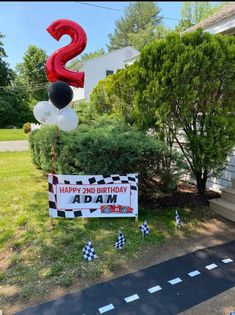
177	219
53	180
89	252
120	241
144	228
115	179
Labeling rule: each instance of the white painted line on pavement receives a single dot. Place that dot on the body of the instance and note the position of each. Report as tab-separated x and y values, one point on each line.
131	298
211	266
154	289
175	281
194	273
106	308
227	260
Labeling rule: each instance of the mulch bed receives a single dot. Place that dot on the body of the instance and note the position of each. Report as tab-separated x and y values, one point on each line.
186	194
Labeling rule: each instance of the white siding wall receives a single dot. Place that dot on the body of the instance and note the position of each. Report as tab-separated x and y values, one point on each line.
225	180
78	93
95	69
214	183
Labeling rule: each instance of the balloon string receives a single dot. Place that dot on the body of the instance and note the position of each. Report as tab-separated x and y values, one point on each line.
54	153
52	165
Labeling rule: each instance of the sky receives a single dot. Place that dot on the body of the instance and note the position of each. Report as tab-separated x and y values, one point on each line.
25	23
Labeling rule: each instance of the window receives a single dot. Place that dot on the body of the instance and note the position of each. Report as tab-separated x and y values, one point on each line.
108	72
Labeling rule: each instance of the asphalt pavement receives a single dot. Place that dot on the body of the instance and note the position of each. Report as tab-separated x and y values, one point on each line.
170	287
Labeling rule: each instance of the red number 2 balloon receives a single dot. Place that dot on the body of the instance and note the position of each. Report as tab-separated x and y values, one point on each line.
55	66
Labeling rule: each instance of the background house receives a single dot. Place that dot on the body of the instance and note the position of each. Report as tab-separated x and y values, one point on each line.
100	67
221	22
96	69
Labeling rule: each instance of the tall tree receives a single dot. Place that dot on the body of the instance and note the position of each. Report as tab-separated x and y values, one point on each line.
138	18
146	36
5	71
188	83
13	102
193	12
14	108
31	73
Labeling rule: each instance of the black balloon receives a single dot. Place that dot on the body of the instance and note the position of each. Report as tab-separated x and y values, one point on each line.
60	94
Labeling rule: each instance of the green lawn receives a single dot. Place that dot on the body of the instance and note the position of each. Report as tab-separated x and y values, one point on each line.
37	257
12	134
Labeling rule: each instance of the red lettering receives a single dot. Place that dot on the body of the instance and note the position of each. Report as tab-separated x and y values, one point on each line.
61	189
102	190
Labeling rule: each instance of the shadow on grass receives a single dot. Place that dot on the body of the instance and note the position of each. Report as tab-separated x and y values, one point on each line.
171	299
47	256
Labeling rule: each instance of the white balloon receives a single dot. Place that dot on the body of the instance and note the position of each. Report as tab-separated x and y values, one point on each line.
46	113
67	119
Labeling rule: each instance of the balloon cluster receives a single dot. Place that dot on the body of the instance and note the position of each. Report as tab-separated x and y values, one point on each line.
56	110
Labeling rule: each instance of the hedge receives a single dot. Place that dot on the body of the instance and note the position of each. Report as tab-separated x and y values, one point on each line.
107	147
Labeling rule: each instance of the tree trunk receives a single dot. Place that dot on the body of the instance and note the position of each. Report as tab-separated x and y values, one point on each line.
201	183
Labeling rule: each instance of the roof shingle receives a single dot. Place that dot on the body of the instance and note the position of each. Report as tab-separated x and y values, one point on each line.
227	11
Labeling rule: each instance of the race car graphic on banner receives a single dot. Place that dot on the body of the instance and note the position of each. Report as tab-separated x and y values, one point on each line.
73	196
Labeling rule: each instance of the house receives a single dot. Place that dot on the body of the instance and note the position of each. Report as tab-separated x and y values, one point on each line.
100	67
221	22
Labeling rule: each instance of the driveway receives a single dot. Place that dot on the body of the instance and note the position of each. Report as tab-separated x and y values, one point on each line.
212	293
168	288
19	145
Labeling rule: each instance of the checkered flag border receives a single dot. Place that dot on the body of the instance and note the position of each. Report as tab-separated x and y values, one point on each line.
89	252
120	241
144	228
53	180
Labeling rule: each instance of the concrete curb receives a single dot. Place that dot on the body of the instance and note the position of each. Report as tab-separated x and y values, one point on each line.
18	145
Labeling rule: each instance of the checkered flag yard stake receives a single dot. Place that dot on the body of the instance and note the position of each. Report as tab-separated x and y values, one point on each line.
177	220
144	229
120	241
89	252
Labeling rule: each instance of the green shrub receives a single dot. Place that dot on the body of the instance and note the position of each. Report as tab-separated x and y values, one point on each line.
41	144
107	147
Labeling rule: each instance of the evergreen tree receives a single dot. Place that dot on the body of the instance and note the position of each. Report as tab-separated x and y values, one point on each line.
31	73
14	109
187	83
140	18
5	71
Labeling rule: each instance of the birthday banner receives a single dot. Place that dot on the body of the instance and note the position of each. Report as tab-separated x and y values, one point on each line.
73	196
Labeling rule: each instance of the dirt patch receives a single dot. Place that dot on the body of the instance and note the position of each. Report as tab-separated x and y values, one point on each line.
185	194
